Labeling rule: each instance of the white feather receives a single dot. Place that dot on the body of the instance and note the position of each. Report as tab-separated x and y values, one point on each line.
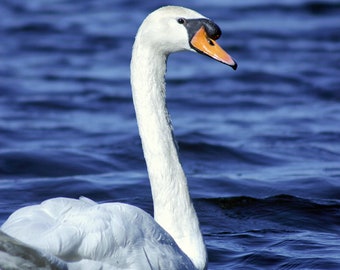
109	235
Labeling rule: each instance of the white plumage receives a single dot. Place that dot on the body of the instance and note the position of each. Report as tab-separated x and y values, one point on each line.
97	236
88	236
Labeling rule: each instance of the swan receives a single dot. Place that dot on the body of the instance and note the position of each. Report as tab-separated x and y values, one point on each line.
87	235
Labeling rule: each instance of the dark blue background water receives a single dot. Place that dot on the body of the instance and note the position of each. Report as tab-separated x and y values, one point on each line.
260	145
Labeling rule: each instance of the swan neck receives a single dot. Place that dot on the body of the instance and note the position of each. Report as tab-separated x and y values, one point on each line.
173	208
160	151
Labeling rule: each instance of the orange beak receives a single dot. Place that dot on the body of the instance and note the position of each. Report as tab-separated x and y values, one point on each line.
203	44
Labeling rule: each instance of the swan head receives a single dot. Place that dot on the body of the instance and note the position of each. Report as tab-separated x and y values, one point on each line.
170	29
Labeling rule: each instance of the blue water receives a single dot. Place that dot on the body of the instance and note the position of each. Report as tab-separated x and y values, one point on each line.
260	145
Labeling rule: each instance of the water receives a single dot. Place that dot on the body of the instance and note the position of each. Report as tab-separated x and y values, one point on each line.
260	145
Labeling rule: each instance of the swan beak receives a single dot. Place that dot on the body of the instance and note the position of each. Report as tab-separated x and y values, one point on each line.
203	44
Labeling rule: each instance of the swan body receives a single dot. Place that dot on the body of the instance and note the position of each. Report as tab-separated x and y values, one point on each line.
87	235
78	230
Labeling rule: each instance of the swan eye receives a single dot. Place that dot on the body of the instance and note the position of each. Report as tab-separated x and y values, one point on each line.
181	21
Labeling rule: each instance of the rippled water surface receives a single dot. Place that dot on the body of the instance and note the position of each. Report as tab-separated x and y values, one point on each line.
260	145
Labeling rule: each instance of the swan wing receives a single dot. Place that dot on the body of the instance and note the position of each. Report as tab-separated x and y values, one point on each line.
96	236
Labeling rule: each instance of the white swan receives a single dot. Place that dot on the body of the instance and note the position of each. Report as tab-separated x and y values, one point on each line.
92	236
